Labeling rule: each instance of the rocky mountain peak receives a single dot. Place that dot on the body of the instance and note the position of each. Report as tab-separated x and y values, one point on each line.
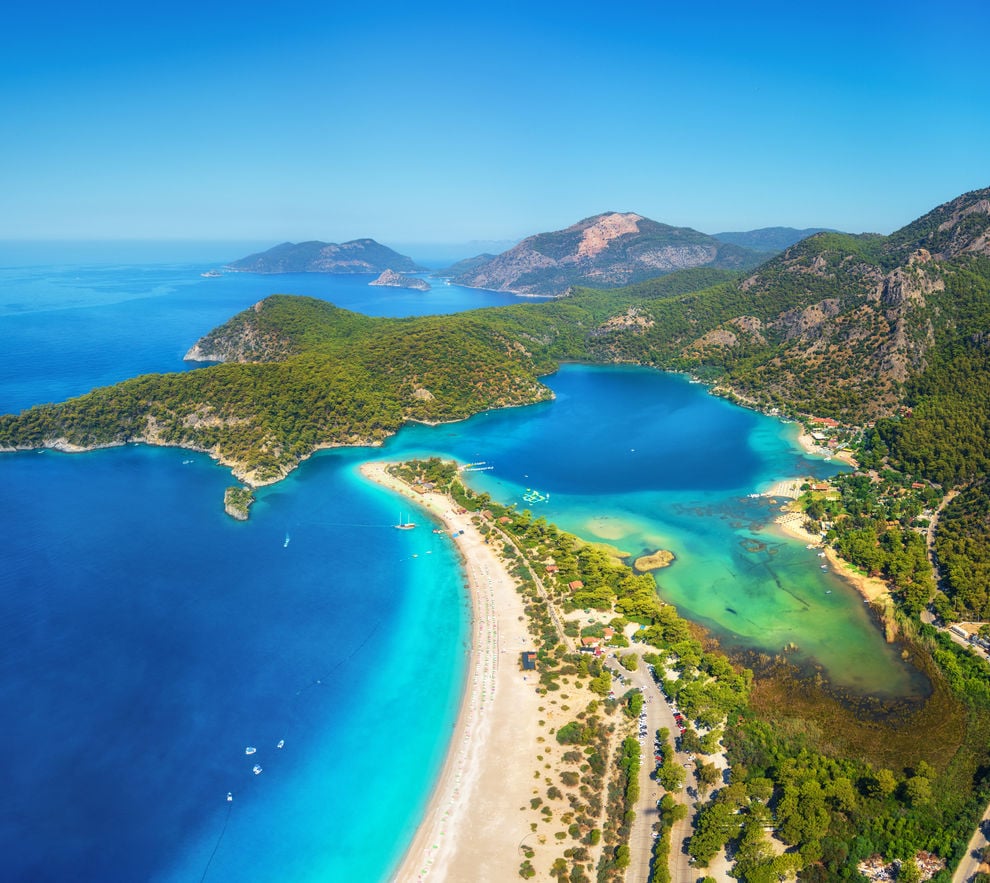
603	251
597	236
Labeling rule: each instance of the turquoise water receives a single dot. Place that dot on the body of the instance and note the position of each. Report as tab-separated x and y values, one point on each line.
643	460
146	639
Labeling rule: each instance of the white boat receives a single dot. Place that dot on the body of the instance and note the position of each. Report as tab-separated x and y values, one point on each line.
250	750
281	743
230	797
286	543
403	524
256	769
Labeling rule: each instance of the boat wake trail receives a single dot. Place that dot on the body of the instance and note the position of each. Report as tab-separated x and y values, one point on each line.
223	831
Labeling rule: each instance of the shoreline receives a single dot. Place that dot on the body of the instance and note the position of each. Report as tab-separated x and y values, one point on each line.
873	590
810	446
478	811
870	588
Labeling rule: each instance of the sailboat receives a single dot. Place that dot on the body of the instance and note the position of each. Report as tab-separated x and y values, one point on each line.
403	524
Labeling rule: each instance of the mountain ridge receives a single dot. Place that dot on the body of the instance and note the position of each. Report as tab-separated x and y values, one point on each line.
605	250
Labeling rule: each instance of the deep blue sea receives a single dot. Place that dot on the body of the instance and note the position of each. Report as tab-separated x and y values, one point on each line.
147	640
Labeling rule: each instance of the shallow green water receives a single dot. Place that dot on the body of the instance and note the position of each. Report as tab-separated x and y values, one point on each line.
645	460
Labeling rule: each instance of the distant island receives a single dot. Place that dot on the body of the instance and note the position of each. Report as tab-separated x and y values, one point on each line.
609	250
356	256
391	279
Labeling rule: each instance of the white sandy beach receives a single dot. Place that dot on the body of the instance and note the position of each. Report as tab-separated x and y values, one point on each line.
479	813
871	588
791	524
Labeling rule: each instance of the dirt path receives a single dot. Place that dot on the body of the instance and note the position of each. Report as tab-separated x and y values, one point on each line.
933	529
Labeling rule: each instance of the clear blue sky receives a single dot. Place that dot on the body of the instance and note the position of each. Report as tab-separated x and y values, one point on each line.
420	123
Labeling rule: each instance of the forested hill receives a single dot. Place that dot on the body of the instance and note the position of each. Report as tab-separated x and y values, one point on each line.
839	325
356	256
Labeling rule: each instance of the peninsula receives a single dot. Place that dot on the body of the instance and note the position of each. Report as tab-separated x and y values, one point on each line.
488	771
546	749
492	796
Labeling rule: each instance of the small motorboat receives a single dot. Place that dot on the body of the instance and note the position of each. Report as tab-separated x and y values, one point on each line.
256	769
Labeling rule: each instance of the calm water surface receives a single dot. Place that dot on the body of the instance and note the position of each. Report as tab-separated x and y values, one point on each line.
146	639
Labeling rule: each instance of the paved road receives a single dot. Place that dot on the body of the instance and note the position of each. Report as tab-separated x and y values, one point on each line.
971	861
658	714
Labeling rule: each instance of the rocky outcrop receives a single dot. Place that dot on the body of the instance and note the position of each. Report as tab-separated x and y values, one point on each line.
842	322
391	279
237	501
631	320
809	322
655	561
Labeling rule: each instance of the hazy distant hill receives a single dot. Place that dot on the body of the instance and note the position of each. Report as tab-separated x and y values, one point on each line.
770	239
604	251
466	266
356	256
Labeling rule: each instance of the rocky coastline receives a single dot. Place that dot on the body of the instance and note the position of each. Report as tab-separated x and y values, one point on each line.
391	279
